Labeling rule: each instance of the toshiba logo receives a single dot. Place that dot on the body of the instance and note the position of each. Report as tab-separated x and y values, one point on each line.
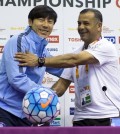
53	39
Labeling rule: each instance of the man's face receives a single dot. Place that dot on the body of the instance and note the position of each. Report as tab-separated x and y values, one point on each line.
89	27
42	26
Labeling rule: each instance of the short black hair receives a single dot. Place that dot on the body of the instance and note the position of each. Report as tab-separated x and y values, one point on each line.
42	11
97	13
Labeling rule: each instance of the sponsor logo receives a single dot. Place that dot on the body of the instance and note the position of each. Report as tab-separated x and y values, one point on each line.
17	28
3	38
72	99
111	38
72	110
52	49
118	3
2	29
53	39
47	80
107	30
72	29
1	49
55	122
71	89
74	39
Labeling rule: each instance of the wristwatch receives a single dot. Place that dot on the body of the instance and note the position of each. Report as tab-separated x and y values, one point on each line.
41	61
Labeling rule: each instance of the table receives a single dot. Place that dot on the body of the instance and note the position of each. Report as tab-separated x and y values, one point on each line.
60	130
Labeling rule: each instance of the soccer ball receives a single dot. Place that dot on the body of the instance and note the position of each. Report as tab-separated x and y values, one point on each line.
41	105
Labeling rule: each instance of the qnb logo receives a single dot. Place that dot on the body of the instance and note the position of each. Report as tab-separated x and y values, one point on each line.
53	39
111	38
1	49
118	3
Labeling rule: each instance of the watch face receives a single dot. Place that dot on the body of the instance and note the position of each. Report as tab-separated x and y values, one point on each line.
41	61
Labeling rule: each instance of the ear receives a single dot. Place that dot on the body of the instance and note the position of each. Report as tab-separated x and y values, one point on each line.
100	26
30	22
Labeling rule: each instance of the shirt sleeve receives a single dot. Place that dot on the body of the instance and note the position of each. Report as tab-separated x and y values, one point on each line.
67	74
104	52
17	79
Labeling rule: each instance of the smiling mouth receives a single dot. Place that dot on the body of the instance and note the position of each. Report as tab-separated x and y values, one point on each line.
43	31
82	34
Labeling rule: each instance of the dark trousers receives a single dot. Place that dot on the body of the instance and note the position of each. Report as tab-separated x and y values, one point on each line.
93	122
8	119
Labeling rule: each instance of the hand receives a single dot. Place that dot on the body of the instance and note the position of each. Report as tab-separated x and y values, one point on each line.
26	59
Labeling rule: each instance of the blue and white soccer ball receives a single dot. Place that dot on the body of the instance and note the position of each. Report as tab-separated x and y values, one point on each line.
41	105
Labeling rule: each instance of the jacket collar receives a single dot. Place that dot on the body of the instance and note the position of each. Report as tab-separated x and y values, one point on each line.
34	36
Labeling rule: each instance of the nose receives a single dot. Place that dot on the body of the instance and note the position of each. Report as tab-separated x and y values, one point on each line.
45	23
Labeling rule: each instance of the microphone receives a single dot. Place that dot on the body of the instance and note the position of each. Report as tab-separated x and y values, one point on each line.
104	88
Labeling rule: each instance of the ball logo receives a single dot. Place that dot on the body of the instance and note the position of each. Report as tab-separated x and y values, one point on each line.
118	3
44	105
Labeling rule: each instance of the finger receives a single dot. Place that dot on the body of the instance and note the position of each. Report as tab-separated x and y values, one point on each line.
20	60
19	53
16	59
22	64
17	56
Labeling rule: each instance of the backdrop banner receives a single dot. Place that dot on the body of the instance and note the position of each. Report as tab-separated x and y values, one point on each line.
64	38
